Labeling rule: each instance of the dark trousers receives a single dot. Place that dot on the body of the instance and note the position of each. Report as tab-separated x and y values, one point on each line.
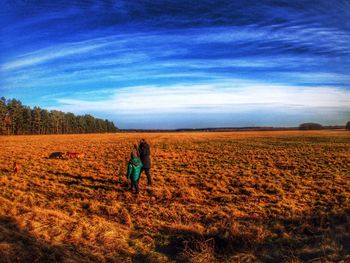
134	184
148	174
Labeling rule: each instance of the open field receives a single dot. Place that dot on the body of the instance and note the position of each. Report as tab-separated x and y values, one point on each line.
217	197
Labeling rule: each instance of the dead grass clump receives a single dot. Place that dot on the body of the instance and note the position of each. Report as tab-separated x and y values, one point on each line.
125	217
196	251
235	236
246	257
160	193
7	250
246	191
150	257
110	211
272	189
16	167
196	230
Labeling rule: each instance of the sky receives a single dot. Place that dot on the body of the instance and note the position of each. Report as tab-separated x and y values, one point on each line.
180	64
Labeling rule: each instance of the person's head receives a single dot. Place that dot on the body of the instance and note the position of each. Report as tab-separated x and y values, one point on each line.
135	151
142	141
134	155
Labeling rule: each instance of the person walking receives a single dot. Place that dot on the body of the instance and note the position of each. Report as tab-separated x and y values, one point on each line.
134	170
144	152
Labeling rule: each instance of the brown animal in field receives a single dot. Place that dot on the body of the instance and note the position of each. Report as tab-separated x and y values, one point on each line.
16	167
75	155
56	155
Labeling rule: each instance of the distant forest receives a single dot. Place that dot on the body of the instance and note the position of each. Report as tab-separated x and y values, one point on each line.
16	119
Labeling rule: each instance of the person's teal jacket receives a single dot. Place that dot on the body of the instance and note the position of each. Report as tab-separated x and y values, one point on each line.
134	169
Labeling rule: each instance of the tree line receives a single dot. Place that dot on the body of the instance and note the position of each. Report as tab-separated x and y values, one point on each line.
317	126
16	119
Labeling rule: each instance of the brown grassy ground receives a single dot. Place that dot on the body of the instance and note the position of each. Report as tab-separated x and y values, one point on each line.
217	197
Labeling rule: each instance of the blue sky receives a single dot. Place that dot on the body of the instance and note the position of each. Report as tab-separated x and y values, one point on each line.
176	64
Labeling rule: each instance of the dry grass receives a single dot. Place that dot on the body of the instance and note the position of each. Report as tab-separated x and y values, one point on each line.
217	197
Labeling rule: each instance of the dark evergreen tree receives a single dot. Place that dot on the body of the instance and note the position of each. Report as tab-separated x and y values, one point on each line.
71	123
45	121
14	108
36	120
27	120
3	111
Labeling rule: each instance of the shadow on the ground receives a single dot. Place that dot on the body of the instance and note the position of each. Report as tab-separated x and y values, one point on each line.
315	237
17	245
79	177
91	186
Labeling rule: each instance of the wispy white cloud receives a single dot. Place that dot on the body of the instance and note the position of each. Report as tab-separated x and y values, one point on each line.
158	44
207	98
316	77
51	53
312	36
